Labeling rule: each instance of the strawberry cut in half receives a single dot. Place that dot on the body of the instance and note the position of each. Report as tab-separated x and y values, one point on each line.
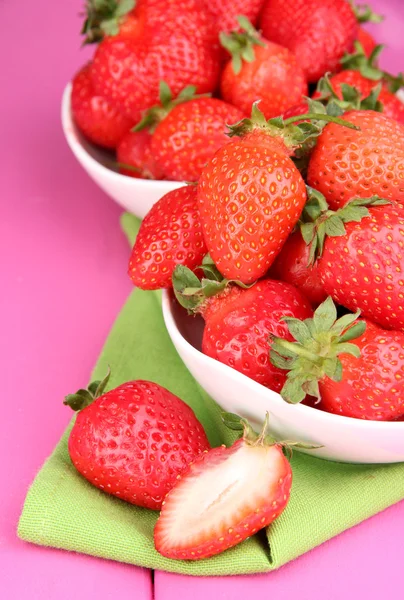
225	496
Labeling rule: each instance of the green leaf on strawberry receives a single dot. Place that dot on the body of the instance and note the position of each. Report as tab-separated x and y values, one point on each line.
315	352
103	17
241	45
152	117
318	221
83	398
191	292
367	66
365	14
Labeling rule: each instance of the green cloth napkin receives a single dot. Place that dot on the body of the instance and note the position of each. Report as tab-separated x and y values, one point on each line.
64	511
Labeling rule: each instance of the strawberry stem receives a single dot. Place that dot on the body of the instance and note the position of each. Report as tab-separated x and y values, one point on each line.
241	45
314	354
103	17
319	222
83	398
320	117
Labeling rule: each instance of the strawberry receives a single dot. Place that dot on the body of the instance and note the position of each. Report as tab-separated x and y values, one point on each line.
188	137
293	266
129	71
135	157
96	117
362	380
238	321
346	163
391	105
225	496
225	12
133	441
250	197
110	17
359	251
318	32
141	19
362	73
260	70
170	234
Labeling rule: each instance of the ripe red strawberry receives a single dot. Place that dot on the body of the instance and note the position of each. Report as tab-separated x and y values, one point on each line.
135	157
359	251
364	268
225	12
362	380
293	266
347	164
392	106
239	321
129	71
318	32
260	70
169	235
136	19
225	496
250	197
96	117
188	137
362	73
133	441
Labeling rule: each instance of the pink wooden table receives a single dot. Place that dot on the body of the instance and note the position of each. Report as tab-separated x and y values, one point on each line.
63	260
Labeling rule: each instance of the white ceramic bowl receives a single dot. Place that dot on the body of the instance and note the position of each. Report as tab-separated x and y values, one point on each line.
135	195
343	439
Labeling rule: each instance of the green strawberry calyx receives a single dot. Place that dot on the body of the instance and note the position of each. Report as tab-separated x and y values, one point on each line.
319	222
367	66
315	352
83	398
152	117
351	97
297	133
365	14
193	293
251	437
263	438
241	44
104	17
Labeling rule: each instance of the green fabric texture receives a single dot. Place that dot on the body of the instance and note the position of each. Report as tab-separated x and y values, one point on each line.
64	511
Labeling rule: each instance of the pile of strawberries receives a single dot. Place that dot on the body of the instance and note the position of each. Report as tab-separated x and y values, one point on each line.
294	214
288	239
168	75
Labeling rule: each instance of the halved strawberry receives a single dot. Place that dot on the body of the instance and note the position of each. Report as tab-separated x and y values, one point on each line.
225	496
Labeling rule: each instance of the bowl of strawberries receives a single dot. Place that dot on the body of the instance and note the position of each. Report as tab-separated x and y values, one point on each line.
282	268
300	313
154	104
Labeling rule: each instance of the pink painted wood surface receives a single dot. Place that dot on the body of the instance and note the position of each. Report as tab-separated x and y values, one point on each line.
63	281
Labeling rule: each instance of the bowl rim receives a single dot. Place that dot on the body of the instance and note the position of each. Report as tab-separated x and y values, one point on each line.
77	148
302	409
69	127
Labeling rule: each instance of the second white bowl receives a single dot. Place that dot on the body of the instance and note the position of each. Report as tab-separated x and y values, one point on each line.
342	438
135	195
